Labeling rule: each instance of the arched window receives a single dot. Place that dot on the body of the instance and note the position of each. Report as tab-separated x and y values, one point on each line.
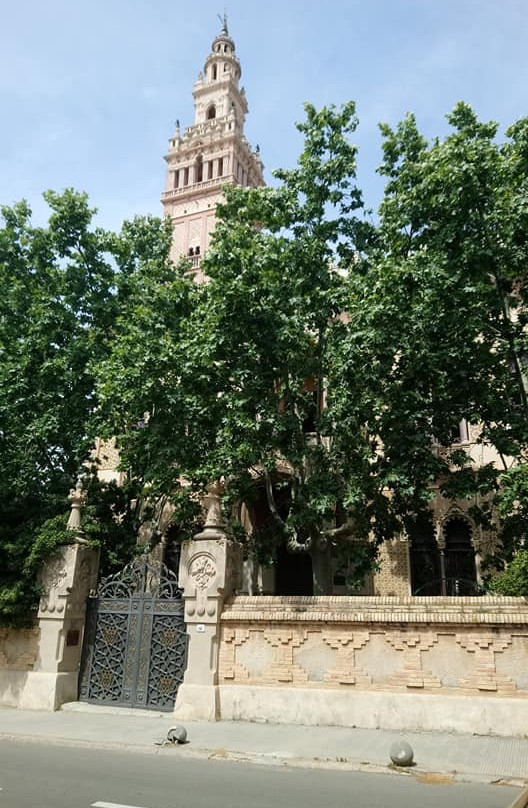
211	112
460	569
446	568
214	72
426	576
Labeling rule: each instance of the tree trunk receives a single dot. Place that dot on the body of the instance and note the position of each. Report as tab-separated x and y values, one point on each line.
322	569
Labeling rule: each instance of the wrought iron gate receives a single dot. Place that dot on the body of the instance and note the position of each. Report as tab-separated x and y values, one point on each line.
135	645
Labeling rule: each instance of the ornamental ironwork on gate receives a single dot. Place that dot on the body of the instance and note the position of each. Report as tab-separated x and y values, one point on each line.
135	644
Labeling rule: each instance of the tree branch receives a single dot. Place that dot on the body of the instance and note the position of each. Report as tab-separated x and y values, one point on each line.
344	531
271	498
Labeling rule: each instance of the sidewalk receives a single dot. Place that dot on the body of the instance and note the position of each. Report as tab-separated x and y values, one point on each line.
464	757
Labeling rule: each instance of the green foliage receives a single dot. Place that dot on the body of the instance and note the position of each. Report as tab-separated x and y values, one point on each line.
50	535
111	518
54	314
231	372
322	367
19	593
439	320
513	580
60	300
381	339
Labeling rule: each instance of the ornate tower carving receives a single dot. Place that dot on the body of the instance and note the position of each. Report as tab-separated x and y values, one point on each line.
213	152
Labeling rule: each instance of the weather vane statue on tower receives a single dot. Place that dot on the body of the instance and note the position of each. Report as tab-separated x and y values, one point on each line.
223	20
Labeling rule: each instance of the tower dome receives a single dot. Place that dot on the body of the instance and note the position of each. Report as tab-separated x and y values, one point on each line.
222	57
223	42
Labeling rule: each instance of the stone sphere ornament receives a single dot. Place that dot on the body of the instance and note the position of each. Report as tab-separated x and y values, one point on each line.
177	734
401	753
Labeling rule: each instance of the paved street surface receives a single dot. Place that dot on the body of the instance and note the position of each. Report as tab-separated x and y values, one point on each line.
36	775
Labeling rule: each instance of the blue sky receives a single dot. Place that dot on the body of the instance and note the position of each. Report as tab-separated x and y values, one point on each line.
90	89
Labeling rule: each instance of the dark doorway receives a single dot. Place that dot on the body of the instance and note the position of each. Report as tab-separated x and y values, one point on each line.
293	573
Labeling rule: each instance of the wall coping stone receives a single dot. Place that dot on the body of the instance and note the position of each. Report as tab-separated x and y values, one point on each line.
377	609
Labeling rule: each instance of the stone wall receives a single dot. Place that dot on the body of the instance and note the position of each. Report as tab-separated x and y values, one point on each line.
18	656
417	663
39	666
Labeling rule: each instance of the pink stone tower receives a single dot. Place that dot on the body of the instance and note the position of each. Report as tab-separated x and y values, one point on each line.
213	152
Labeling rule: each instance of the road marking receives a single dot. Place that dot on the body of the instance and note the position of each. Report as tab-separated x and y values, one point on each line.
112	805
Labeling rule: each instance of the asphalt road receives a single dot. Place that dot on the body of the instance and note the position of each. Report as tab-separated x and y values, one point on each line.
34	775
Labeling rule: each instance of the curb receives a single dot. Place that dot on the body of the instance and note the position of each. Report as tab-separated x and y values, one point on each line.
521	801
271	759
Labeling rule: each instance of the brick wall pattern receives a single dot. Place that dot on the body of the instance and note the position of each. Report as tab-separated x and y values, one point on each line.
455	645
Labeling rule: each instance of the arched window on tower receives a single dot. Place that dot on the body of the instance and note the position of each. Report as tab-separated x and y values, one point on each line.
198	169
211	112
214	72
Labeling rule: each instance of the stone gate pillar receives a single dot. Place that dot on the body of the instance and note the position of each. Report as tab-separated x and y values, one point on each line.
210	567
66	579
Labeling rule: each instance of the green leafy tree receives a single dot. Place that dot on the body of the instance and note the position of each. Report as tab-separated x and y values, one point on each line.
54	314
512	581
61	290
441	319
275	305
153	400
326	361
234	372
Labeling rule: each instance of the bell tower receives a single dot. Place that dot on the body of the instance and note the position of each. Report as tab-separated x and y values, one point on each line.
211	153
